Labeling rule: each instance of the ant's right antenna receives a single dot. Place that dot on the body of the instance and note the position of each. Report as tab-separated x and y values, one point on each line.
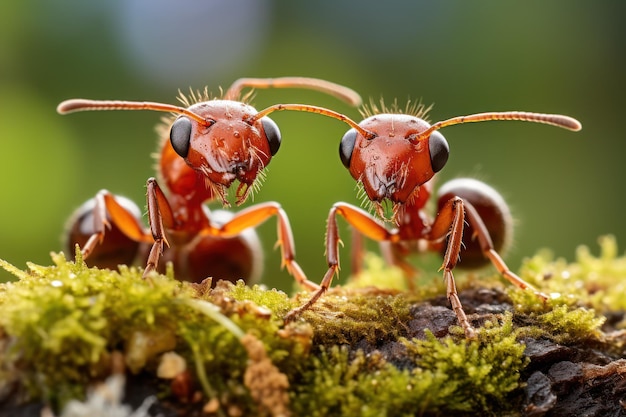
558	120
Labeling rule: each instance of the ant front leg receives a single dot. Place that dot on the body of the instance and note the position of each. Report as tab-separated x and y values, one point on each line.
160	216
361	221
449	223
357	251
489	226
108	230
254	216
393	254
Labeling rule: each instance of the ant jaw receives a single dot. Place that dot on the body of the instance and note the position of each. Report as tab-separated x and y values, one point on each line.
218	191
243	190
247	187
380	211
383	207
220	183
387	210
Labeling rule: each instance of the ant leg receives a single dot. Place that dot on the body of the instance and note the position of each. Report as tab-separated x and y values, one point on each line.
486	245
253	216
391	253
110	216
449	223
357	250
343	93
364	223
395	255
159	214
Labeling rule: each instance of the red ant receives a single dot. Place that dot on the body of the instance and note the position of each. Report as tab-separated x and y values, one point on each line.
205	147
394	157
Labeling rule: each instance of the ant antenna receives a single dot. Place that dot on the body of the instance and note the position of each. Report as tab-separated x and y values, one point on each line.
313	109
344	94
79	104
558	120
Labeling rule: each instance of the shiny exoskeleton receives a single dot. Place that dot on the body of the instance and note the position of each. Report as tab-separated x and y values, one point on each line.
205	148
394	157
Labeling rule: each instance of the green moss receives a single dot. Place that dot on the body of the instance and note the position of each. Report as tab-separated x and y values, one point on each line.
352	315
477	375
336	384
444	376
60	325
260	312
597	282
277	302
581	292
571	325
353	353
555	319
64	321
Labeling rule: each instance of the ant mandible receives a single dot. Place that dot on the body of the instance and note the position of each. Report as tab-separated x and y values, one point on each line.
393	157
205	146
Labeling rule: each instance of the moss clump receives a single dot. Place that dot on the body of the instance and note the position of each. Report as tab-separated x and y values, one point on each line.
352	315
65	320
277	302
555	319
61	325
443	377
581	293
338	383
596	282
565	324
472	375
369	348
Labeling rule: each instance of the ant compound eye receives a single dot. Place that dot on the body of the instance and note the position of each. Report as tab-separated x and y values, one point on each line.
180	136
272	133
439	151
347	146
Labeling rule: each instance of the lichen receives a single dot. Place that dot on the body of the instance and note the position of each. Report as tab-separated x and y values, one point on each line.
268	386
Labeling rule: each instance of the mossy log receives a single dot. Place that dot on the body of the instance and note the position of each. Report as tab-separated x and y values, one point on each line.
75	341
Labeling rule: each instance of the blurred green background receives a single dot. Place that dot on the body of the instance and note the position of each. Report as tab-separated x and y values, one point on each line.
564	188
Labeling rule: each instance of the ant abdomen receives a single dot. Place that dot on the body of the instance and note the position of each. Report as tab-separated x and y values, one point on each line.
116	249
222	258
206	147
194	257
491	209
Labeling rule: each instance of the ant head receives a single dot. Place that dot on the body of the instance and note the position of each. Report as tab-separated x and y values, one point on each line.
227	146
220	139
393	162
392	155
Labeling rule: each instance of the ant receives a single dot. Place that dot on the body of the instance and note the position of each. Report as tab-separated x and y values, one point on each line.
394	157
205	147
